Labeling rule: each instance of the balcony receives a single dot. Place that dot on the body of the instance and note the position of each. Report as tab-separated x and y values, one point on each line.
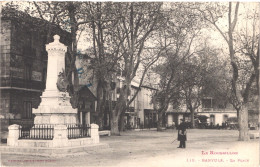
21	83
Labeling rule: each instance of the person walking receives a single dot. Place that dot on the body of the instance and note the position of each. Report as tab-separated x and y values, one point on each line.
182	134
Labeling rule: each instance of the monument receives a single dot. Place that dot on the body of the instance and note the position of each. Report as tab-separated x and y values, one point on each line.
55	107
55	130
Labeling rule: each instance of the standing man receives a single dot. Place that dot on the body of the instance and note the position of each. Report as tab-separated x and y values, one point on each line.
182	134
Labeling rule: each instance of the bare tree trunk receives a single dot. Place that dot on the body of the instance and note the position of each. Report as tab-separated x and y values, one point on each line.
161	112
243	113
74	85
160	119
114	124
120	106
101	116
122	122
257	79
192	119
243	124
101	103
237	113
116	115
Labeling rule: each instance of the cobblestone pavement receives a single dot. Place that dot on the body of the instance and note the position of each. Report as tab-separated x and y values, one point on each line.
151	148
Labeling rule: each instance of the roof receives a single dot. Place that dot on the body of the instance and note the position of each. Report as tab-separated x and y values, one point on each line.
88	92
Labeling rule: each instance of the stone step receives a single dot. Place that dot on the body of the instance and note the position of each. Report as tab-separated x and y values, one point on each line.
104	133
54	152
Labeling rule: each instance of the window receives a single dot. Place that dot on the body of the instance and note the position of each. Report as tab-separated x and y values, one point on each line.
27	108
212	119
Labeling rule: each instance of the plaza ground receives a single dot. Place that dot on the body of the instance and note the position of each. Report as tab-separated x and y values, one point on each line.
152	148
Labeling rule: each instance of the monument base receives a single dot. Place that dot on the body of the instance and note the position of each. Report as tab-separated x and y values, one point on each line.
53	119
60	143
55	108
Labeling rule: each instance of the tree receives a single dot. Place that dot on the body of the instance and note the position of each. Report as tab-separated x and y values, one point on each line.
248	46
168	88
110	48
106	54
211	13
216	76
182	28
203	75
136	24
192	83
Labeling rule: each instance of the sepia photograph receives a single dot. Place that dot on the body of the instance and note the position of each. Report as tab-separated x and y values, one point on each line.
129	83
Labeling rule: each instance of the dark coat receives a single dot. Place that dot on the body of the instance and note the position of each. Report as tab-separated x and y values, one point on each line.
182	132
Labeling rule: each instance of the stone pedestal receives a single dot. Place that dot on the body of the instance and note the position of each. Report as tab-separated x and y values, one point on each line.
60	138
55	107
94	133
13	135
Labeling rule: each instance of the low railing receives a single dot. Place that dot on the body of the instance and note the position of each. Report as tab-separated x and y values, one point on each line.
78	131
46	132
39	132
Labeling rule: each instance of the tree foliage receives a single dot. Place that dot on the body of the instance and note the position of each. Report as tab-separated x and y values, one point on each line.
178	35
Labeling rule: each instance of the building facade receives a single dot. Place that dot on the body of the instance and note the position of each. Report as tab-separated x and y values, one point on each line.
214	113
217	114
141	113
174	115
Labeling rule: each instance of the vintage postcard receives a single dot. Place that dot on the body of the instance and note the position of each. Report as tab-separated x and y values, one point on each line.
140	83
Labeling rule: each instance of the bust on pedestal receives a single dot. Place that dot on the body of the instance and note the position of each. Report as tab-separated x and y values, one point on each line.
55	107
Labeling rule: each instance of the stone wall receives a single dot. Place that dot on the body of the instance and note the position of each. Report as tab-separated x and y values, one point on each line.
4	109
5	44
27	50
